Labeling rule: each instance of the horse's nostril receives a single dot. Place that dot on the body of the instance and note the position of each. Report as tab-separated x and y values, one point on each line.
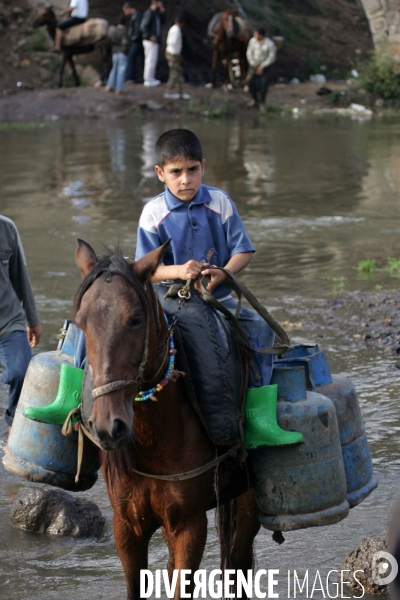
118	429
90	423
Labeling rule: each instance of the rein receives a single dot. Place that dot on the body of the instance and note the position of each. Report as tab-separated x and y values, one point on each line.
111	267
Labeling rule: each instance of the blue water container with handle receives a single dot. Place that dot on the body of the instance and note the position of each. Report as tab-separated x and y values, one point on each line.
305	485
38	451
357	461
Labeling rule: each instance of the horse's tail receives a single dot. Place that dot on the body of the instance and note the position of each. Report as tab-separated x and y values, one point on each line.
226	527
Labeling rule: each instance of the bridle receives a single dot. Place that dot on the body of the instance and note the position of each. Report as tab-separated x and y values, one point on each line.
117	265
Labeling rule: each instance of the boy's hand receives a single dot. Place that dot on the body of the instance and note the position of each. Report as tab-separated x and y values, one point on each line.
217	277
191	269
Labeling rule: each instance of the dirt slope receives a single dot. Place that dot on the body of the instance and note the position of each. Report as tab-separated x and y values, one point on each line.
330	33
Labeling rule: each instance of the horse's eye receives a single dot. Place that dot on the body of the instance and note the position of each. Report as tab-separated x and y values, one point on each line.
134	321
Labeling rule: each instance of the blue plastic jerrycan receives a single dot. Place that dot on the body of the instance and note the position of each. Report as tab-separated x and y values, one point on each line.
38	451
357	461
305	485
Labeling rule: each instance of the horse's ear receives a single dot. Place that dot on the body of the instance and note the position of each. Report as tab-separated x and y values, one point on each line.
146	266
85	257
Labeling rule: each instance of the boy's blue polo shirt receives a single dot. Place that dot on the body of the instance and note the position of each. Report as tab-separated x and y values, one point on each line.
209	229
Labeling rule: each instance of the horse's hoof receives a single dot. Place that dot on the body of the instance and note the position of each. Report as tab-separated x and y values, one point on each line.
209	85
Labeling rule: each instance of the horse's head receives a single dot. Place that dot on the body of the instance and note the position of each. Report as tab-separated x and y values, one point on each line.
118	313
45	17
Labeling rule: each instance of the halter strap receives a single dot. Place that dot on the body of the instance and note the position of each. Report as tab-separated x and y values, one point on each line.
107	388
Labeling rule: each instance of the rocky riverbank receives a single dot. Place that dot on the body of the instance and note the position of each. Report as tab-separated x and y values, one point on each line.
367	318
21	104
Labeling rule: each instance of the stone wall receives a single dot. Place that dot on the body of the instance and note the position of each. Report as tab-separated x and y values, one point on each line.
384	21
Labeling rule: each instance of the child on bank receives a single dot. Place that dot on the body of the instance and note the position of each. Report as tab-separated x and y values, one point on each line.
205	228
120	49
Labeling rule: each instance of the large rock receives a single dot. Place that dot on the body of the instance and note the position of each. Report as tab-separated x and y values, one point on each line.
54	511
361	559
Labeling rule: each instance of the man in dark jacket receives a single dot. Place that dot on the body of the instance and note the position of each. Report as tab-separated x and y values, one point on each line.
150	27
20	329
136	51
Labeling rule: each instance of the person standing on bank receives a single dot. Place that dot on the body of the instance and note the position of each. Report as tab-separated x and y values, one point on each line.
173	54
136	52
120	44
78	11
20	329
261	54
150	27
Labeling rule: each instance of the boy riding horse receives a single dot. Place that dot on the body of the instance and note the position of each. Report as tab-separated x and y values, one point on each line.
204	227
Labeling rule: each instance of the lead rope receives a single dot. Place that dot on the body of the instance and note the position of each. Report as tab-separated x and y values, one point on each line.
68	428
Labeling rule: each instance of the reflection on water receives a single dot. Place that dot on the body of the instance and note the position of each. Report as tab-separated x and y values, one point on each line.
316	198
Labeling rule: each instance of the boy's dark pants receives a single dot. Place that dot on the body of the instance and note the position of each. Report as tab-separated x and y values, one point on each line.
258	86
136	53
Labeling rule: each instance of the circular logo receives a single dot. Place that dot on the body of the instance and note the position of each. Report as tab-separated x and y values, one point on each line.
384	568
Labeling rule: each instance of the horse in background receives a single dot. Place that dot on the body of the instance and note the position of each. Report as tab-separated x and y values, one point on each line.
47	18
159	462
229	36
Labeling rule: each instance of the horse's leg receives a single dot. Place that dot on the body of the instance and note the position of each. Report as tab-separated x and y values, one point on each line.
132	548
228	58
214	68
187	540
243	63
171	557
74	73
61	72
247	527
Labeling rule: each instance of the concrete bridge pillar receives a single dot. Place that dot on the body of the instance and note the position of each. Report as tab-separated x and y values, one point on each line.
384	22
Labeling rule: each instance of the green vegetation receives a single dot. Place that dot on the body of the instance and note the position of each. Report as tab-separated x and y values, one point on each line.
39	41
335	97
270	108
214	108
381	76
338	285
393	267
22	126
367	266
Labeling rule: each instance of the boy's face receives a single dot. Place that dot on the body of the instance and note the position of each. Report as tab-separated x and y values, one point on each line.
182	177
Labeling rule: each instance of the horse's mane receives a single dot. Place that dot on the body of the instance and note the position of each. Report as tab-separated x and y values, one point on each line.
107	266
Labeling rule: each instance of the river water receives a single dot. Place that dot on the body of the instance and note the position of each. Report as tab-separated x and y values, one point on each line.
317	196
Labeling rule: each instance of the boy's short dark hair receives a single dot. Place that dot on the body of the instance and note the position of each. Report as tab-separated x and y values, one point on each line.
179	19
178	143
261	31
122	20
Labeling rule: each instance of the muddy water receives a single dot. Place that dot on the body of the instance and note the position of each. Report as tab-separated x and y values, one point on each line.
316	197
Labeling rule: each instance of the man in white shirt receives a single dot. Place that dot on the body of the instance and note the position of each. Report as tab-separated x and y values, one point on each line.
78	11
150	27
173	54
261	54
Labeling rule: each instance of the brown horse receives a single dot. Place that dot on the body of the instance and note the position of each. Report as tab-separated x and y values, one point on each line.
48	19
229	35
126	336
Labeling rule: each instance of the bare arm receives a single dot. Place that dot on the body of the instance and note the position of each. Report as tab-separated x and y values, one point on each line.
191	269
66	11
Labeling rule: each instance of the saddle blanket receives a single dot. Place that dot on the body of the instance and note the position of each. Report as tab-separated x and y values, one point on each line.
217	373
90	32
